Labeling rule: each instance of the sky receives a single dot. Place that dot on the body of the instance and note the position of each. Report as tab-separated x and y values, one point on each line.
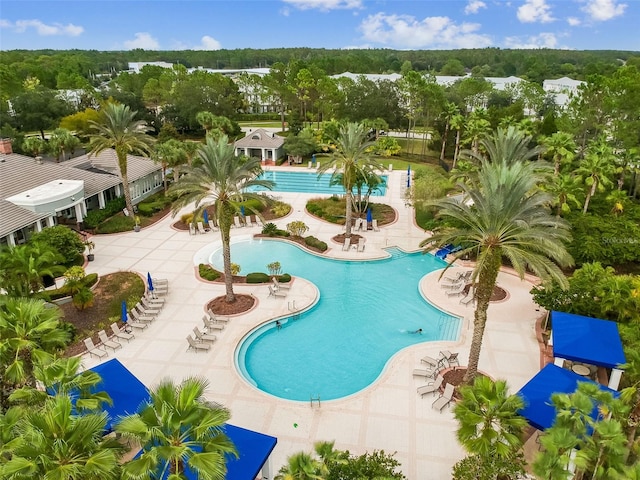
333	24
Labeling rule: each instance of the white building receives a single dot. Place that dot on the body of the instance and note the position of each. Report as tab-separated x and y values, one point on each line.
562	89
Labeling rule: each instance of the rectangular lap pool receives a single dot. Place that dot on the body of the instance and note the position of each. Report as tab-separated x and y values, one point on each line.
309	182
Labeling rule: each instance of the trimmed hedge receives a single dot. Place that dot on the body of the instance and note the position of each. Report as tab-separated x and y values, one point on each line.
284	278
207	272
312	241
116	224
95	217
258	277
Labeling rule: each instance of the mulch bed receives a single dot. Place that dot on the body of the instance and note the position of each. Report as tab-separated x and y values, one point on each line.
498	294
267	216
242	304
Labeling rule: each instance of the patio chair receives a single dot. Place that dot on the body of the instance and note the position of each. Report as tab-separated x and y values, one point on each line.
201	228
458	290
138	325
237	222
432	362
470	297
248	222
203	337
276	293
141	318
211	324
154	301
453	359
150	305
93	350
217	318
197	345
374	225
212	226
431	387
147	310
453	285
120	334
280	286
457	277
113	345
160	282
424	372
256	221
444	399
361	245
192	229
347	244
358	225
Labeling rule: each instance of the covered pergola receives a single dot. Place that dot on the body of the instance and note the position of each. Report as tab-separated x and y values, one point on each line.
588	340
128	393
539	409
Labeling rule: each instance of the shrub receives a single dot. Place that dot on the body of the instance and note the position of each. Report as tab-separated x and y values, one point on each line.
83	298
153	204
258	277
280	209
116	224
71	329
314	242
270	229
95	217
284	278
90	280
297	228
187	218
235	269
63	240
207	272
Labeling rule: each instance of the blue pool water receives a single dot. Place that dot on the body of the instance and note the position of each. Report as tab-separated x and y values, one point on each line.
364	316
307	182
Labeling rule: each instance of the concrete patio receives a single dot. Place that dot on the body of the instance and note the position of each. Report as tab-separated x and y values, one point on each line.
388	415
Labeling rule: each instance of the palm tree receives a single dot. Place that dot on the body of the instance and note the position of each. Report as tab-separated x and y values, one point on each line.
450	111
458	123
561	147
28	330
351	160
117	129
489	425
477	127
300	466
54	443
596	169
506	145
178	429
564	190
169	154
221	182
504	215
23	267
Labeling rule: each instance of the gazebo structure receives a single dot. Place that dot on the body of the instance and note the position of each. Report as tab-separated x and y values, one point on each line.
267	146
589	340
128	393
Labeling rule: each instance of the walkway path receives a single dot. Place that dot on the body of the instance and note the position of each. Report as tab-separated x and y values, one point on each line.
389	415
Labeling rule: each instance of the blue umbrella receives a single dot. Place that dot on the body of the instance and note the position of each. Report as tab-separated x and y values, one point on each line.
149	282
242	210
369	215
313	159
408	175
124	312
205	216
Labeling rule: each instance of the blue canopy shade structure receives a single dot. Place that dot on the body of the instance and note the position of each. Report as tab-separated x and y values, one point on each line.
539	410
585	339
124	388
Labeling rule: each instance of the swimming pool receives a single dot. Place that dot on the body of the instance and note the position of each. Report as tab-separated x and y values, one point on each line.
364	316
307	182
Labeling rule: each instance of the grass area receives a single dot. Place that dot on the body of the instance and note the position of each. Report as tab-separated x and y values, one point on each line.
261	123
332	210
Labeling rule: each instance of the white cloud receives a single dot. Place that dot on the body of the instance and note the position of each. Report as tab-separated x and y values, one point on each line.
534	11
208	43
542	40
601	10
325	5
405	31
143	40
474	6
44	29
573	21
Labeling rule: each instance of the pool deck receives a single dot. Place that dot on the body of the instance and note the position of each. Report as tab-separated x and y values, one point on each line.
388	415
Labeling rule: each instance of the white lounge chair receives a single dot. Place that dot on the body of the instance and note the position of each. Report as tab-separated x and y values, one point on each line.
212	226
93	350
444	399
347	244
248	222
211	324
120	334
204	337
141	318
197	345
431	387
138	325
147	310
457	290
280	286
237	222
432	362
201	228
470	297
155	301
276	293
192	229
450	358
374	225
424	372
361	245
150	305
113	345
216	318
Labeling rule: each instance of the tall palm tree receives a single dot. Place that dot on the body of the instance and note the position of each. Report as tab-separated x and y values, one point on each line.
488	422
352	160
169	154
564	190
504	215
220	181
561	147
477	127
450	111
178	429
119	130
458	123
54	443
596	169
28	330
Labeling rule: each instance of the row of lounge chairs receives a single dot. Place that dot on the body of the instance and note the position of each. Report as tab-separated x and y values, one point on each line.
347	244
361	224
202	340
445	359
278	289
456	285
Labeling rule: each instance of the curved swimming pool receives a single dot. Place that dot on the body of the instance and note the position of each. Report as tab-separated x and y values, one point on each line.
365	314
